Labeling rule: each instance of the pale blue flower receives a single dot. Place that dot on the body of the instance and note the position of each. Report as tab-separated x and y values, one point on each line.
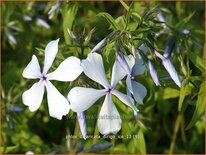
81	98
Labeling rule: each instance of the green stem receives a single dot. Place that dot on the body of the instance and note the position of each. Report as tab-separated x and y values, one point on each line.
182	129
82	52
177	126
174	136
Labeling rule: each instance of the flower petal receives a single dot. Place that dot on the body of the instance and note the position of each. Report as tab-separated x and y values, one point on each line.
32	70
43	23
68	70
125	99
82	98
82	123
54	7
99	45
130	61
153	73
129	84
93	67
57	103
171	70
130	95
123	62
109	120
139	91
50	54
33	96
138	67
143	48
118	73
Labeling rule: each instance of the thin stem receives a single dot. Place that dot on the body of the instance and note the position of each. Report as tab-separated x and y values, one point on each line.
184	139
178	121
82	52
174	136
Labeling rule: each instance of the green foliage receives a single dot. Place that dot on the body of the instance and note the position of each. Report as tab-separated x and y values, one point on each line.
109	19
168	111
199	110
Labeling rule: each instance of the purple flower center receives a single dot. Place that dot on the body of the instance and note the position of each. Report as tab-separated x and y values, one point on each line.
110	89
44	77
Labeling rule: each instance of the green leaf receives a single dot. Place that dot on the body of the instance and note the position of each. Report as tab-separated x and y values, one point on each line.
183	92
110	20
170	93
140	143
184	21
196	60
195	42
136	17
124	5
69	14
199	110
10	149
182	97
88	37
119	148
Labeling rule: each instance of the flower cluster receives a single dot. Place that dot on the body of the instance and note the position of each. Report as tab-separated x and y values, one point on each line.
79	99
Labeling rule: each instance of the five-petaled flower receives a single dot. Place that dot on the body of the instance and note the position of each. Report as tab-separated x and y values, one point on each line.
81	99
68	70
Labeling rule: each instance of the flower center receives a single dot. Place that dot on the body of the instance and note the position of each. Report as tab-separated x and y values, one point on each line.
44	77
110	89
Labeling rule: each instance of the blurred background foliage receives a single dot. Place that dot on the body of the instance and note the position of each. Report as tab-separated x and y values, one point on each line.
171	120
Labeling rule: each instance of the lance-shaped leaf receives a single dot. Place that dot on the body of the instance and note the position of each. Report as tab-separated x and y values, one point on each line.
110	20
200	106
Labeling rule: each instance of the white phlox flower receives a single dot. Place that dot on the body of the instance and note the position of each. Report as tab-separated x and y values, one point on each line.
81	99
133	67
68	70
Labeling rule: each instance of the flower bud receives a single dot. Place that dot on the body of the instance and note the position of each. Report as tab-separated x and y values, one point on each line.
99	45
171	70
153	73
